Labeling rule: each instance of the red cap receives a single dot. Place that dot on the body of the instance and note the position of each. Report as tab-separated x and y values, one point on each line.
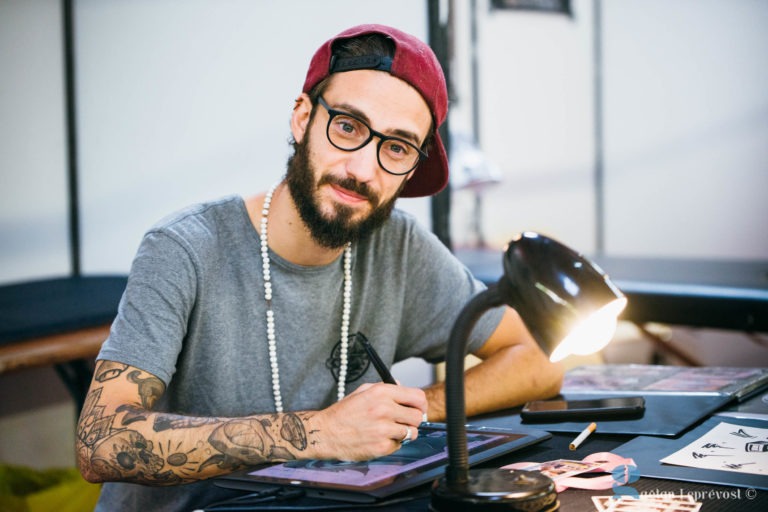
415	63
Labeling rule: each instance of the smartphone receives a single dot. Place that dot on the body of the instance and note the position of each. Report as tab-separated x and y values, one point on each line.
583	410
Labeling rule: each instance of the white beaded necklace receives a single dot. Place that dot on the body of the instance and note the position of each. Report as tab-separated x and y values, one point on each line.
271	340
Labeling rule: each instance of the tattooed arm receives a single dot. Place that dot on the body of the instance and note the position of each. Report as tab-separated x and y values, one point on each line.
120	438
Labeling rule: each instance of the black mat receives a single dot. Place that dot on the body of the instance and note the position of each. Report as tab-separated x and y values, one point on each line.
665	415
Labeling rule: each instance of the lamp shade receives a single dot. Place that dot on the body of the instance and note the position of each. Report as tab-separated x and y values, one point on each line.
566	301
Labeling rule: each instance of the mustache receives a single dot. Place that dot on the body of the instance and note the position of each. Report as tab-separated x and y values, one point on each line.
353	185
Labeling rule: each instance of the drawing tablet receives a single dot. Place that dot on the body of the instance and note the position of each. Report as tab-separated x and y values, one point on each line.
415	463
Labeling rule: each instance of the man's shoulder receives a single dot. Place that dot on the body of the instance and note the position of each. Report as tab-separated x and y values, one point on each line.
200	213
403	233
400	221
203	228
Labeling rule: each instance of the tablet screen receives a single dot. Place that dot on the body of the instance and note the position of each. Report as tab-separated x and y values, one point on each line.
427	451
418	462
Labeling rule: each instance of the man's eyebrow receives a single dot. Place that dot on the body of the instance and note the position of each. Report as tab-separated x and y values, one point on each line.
396	132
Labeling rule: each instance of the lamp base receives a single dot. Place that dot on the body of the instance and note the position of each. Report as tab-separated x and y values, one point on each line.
497	489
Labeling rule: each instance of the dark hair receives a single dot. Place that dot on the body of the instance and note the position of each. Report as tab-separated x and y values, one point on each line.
369	44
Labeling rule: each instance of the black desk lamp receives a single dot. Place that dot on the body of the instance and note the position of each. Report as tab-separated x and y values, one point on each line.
570	307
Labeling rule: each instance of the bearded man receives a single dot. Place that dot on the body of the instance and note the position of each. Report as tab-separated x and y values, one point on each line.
238	340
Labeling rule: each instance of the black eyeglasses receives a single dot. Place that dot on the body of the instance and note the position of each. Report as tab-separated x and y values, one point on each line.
349	133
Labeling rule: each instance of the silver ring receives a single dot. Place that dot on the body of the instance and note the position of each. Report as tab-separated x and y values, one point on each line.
407	438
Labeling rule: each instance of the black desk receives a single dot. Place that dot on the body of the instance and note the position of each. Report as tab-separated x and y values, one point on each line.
714	498
698	293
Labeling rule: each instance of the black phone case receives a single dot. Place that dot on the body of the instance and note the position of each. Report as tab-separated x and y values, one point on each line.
630	410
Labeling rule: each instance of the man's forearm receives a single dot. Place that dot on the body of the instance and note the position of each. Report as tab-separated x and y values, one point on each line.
155	448
506	379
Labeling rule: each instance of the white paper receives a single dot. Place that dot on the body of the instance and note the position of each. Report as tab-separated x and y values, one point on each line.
726	447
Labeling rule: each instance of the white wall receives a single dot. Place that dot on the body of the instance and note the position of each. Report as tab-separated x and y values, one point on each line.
686	124
536	123
33	170
685	121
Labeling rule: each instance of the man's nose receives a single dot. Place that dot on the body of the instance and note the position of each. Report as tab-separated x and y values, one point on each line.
364	162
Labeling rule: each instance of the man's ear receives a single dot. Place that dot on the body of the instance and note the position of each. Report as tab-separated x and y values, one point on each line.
302	109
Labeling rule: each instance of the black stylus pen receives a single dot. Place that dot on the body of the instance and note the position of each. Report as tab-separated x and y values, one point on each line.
381	367
377	362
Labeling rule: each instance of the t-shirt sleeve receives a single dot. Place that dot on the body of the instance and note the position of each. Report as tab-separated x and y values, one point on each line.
439	286
153	314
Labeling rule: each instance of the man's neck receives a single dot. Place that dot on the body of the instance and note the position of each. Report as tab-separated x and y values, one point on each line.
288	235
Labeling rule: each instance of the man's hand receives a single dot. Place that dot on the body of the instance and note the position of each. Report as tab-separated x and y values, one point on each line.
371	422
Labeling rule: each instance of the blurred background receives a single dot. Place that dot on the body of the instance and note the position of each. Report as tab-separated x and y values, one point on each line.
625	127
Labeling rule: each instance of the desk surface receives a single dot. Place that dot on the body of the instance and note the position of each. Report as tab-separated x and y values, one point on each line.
713	497
698	293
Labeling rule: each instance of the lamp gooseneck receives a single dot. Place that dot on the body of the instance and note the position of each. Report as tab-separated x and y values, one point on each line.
456	418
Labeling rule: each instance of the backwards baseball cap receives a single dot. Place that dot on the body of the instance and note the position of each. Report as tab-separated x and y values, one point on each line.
415	63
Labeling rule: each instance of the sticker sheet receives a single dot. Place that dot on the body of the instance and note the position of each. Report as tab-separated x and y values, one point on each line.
726	447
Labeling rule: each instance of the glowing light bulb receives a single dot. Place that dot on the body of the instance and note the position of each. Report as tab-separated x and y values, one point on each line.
592	334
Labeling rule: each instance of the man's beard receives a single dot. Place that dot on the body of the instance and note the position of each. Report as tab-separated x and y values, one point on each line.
335	232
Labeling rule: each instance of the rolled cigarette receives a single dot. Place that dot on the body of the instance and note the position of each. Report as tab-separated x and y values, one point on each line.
581	437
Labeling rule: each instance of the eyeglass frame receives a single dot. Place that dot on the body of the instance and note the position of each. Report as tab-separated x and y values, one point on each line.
422	155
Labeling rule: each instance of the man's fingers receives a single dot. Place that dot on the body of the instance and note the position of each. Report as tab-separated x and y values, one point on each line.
406	433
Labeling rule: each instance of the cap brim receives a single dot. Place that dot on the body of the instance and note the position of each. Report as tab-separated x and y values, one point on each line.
431	176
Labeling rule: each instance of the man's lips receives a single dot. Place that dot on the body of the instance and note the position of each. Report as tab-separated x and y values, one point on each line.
347	195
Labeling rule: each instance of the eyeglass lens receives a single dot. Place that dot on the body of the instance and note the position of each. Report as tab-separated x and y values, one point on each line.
348	133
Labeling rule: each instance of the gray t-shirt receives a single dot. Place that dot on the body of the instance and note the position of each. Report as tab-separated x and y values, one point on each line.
193	314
